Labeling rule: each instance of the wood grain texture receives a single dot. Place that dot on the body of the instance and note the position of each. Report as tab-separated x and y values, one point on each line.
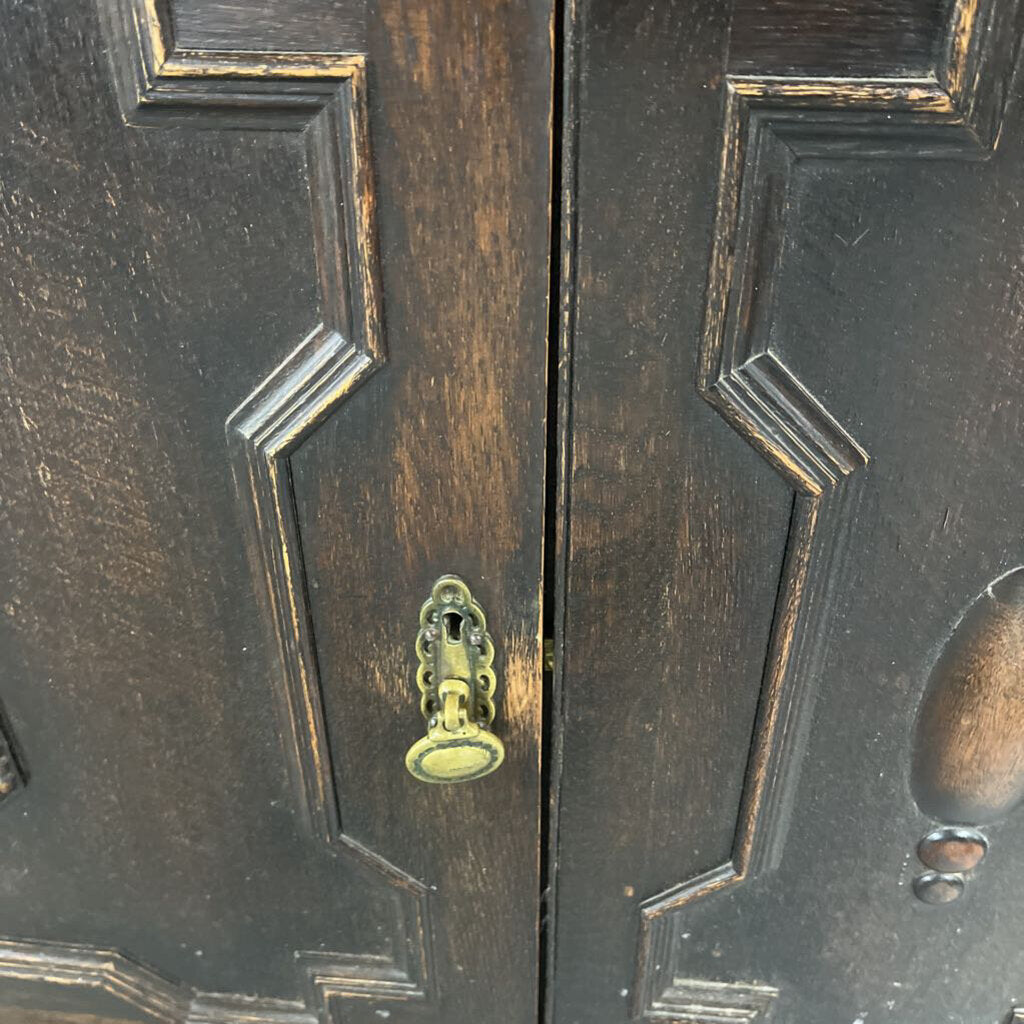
132	644
837	38
440	469
325	97
128	648
765	120
947	102
673	537
259	26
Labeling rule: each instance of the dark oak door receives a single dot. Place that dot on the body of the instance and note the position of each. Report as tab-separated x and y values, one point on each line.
274	321
274	310
792	649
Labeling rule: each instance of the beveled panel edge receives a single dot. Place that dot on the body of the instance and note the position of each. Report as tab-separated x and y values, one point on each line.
956	111
693	1001
323	96
768	123
157	83
163	1001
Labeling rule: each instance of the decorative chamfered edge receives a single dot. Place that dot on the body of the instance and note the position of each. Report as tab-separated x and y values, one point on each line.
692	1001
323	96
769	123
327	980
12	775
159	83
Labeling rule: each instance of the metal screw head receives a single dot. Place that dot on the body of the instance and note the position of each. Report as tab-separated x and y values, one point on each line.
950	850
476	637
937	888
430	634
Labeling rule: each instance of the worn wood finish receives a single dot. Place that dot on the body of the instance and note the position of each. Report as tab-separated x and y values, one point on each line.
8	1016
675	535
312	26
442	472
837	39
154	279
273	362
800	356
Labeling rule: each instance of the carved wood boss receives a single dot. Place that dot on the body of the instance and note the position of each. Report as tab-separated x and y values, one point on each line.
969	743
968	763
770	123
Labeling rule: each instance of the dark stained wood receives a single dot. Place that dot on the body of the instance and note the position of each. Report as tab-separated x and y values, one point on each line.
780	883
837	38
281	345
311	26
154	278
675	533
8	1016
437	466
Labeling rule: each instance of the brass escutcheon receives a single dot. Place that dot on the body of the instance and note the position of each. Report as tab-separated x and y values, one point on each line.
456	683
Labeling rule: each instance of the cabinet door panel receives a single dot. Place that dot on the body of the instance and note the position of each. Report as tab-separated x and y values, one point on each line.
266	301
814	226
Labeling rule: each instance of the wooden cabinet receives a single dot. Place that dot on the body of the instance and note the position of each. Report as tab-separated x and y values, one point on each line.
687	335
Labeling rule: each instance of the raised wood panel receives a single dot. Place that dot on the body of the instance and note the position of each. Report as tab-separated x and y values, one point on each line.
142	53
324	97
964	98
136	674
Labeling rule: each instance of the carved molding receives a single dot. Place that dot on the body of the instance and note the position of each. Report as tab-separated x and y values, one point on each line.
689	1001
769	123
127	983
12	777
322	96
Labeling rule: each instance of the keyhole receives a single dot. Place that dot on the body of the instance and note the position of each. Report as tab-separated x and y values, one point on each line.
453	627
